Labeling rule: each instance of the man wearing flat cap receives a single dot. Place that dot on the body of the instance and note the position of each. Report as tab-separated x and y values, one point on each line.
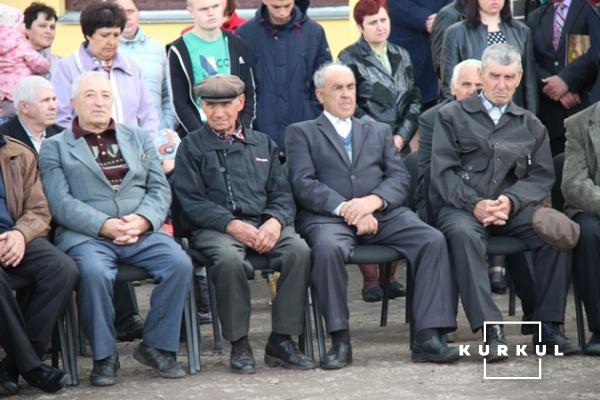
233	192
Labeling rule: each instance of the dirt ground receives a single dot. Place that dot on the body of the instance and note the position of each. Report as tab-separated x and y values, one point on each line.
381	368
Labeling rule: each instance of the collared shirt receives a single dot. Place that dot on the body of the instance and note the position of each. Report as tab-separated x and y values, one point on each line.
494	111
566	4
36	144
343	127
105	150
382	56
229	138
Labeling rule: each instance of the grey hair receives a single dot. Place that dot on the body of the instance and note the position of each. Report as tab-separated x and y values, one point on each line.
501	53
458	67
319	76
77	81
26	89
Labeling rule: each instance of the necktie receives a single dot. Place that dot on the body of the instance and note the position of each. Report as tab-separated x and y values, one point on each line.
559	21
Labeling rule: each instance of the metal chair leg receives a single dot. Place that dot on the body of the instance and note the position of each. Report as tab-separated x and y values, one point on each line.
579	316
318	326
410	290
308	343
191	328
217	339
386	294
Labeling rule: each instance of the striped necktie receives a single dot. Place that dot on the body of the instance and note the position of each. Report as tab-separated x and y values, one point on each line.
559	22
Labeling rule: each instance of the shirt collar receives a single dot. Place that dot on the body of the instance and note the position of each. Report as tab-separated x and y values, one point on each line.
489	105
34	141
238	135
78	131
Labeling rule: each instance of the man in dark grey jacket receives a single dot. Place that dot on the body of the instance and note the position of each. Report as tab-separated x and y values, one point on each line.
490	168
234	193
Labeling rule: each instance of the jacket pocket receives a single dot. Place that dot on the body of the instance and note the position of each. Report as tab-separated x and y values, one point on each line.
522	166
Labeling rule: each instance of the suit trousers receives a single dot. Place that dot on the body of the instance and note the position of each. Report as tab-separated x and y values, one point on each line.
158	254
467	239
332	243
46	276
585	266
290	256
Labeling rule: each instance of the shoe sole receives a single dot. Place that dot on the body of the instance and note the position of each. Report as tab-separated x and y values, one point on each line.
496	358
141	359
244	371
9	389
336	366
277	362
434	358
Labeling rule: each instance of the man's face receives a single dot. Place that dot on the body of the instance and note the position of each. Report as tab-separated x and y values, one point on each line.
338	96
133	18
93	102
42	110
469	81
500	81
207	14
222	117
42	31
103	42
280	11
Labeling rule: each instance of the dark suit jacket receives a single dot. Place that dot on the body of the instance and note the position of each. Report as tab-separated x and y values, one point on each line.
322	176
14	129
407	19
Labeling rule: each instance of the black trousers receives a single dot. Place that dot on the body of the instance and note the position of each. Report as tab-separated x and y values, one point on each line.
467	240
586	270
45	279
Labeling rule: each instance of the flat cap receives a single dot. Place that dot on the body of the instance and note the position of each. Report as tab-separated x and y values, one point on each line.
219	88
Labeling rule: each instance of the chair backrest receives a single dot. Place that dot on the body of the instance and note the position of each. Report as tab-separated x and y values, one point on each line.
411	164
558	200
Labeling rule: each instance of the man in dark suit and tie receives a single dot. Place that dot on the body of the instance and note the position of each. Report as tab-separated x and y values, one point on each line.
350	186
35	104
551	25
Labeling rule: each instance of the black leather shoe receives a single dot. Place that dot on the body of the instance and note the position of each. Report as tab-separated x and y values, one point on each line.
9	382
433	350
338	356
46	378
494	338
373	294
497	281
552	336
163	362
286	354
395	290
105	371
130	329
592	347
241	358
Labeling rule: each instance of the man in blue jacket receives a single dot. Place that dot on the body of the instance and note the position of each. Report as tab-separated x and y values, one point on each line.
287	48
412	22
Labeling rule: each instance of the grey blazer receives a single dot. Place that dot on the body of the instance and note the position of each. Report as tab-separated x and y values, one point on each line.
81	198
322	176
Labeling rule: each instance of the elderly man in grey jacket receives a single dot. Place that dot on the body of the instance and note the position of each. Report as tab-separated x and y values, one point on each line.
491	166
109	196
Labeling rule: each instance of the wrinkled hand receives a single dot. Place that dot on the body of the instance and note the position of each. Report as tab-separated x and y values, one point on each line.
368	225
357	208
133	227
243	232
398	142
554	87
484	211
12	248
429	23
570	100
268	235
112	228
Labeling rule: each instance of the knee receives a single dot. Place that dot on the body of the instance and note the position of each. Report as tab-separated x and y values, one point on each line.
462	233
327	248
96	273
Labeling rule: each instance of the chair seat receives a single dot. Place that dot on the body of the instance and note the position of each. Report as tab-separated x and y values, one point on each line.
129	273
373	254
505	245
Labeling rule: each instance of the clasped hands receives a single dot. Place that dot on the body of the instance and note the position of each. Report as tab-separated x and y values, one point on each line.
556	89
125	230
261	239
12	248
358	212
493	212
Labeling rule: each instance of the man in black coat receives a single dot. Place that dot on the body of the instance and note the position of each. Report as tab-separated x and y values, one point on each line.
232	190
350	185
550	61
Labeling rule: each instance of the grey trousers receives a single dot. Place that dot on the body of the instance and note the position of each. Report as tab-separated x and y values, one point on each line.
157	253
467	240
290	256
435	298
